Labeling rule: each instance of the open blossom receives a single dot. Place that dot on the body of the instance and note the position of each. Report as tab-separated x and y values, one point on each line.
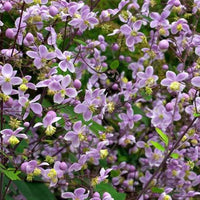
128	119
11	137
77	135
55	173
62	89
79	194
41	57
84	20
30	105
8	79
147	78
90	104
131	33
180	25
159	20
48	120
66	62
174	82
33	168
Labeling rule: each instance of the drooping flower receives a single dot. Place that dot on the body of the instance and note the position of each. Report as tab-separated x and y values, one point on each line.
48	120
11	137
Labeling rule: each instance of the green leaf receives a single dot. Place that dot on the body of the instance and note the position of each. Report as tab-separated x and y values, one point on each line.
11	174
157	146
115	173
163	136
157	190
106	187
114	64
80	42
196	114
34	191
175	155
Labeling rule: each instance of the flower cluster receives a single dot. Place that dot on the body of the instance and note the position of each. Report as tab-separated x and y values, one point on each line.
100	99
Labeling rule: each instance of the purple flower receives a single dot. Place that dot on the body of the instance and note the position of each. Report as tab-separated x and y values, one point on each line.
79	165
30	105
48	120
37	1
53	174
159	20
173	81
41	56
32	167
196	81
66	61
90	104
129	118
62	90
160	117
8	79
147	78
11	137
132	35
154	158
84	20
180	25
79	194
76	135
164	195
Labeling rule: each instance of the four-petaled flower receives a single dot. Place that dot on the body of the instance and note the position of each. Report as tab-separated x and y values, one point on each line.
8	79
41	57
174	82
62	90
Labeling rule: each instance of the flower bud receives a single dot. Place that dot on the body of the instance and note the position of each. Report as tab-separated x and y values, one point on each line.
115	47
63	166
169	107
29	37
9	33
7	6
163	44
128	59
53	11
26	124
165	67
115	86
121	57
77	84
177	3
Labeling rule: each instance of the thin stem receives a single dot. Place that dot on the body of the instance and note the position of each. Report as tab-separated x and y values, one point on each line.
20	21
165	159
2	162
